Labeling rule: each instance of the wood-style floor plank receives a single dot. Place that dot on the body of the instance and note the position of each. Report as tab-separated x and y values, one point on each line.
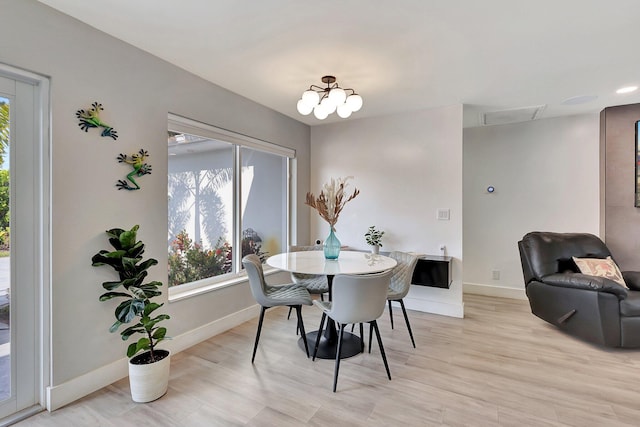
499	366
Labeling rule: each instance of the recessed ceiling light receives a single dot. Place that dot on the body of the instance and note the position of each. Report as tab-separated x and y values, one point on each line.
627	89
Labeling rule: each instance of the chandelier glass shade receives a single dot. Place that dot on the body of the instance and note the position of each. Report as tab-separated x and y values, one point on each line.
323	101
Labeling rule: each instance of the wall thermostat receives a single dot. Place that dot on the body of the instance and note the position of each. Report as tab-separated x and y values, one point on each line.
490	189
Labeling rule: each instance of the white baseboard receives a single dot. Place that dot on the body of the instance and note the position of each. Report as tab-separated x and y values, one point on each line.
494	291
435	307
65	393
76	388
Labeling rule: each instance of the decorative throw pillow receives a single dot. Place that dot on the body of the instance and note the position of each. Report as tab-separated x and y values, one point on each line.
600	267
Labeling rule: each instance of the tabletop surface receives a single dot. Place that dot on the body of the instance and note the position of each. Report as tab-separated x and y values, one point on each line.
314	262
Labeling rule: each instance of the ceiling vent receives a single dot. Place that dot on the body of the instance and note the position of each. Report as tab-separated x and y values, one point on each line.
514	115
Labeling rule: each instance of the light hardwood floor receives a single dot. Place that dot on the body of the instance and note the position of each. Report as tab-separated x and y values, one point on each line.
499	366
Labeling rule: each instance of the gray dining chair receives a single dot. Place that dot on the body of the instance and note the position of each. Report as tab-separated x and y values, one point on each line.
400	284
355	299
268	296
316	284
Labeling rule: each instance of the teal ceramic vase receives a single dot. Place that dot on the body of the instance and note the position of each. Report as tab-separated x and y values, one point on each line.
331	246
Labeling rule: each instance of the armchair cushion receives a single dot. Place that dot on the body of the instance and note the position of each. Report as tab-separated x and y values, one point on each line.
587	282
600	267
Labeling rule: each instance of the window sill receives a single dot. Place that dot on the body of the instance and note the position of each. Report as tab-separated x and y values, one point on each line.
188	290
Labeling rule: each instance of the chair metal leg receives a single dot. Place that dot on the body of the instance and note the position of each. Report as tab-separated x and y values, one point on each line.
391	314
255	346
361	338
289	315
301	327
370	335
384	356
406	319
315	347
338	354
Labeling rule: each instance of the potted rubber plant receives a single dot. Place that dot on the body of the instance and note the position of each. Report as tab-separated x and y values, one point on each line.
374	239
137	313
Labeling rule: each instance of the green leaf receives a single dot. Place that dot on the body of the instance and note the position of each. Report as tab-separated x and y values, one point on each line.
150	291
159	333
111	285
136	251
128	238
108	295
136	329
131	350
110	258
151	307
116	255
115	232
129	309
142	344
137	292
148	263
134	281
115	326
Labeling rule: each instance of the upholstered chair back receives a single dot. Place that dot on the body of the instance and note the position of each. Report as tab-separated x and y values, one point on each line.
544	253
402	274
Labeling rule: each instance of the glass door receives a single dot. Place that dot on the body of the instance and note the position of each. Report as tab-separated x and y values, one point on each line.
21	264
5	251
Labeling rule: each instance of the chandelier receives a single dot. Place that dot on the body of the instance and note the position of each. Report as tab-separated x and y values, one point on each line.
327	100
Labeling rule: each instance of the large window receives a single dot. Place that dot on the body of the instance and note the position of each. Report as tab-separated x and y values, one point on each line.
227	197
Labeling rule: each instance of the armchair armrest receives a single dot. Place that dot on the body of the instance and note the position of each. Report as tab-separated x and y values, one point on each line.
632	279
586	282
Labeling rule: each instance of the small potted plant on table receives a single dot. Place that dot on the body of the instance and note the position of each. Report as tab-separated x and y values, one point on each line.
374	239
148	371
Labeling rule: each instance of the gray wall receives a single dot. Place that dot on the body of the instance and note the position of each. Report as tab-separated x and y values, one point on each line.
622	224
137	91
546	176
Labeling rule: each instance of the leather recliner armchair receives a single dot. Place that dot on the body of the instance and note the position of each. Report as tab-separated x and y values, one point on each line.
596	309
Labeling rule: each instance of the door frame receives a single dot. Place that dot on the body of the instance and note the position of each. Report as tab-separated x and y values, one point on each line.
42	241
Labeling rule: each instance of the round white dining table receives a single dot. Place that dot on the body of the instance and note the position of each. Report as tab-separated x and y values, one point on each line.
348	262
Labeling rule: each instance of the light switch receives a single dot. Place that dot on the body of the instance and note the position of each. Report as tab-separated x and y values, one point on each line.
443	214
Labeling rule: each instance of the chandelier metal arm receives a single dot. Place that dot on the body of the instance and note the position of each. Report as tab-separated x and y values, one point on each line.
318	88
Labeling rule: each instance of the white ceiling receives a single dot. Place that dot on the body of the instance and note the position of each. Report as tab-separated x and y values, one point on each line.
399	55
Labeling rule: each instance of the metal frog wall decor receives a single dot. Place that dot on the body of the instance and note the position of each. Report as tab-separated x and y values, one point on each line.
140	168
91	119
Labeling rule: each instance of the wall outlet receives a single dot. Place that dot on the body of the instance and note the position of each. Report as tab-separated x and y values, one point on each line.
442	248
495	274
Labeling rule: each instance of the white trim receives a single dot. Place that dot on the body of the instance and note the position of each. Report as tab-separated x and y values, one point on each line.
187	290
78	387
435	307
193	127
494	291
65	393
46	279
24	76
42	224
